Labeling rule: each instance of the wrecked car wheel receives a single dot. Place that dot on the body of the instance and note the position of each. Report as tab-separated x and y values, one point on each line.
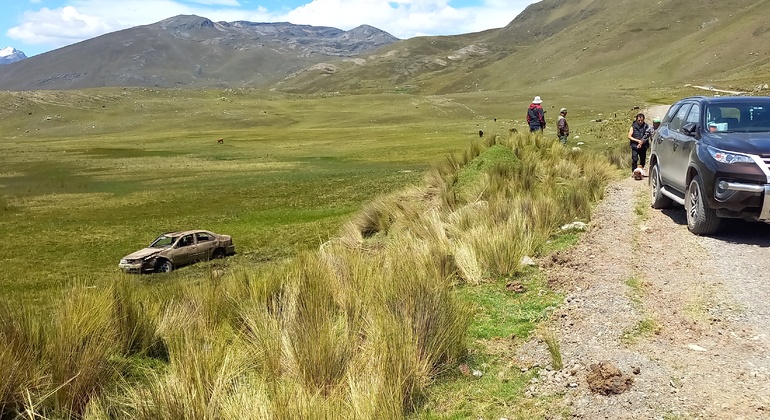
164	266
218	254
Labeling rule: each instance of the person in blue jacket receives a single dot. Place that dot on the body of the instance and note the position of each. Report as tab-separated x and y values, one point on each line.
536	115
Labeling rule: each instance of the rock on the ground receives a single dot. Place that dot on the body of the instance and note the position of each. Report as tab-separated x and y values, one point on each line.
606	379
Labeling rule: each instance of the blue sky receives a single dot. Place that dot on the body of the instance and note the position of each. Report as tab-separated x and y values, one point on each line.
37	26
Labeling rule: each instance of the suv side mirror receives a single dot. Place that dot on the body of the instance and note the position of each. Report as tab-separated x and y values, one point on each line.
690	129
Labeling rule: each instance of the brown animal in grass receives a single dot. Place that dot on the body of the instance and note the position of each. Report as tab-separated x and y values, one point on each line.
220	141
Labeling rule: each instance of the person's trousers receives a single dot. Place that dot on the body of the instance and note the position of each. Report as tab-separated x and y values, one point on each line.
638	155
563	140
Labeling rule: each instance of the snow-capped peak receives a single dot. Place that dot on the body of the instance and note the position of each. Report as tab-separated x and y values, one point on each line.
9	55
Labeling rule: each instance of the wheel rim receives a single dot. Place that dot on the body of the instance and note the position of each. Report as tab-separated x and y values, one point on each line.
693	202
654	182
165	267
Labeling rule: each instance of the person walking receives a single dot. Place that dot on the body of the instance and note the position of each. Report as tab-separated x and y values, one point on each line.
655	125
536	115
638	140
563	126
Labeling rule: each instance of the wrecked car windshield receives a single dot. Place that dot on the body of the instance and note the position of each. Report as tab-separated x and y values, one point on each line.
162	242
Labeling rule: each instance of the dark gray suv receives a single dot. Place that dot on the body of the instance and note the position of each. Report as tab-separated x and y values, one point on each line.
712	155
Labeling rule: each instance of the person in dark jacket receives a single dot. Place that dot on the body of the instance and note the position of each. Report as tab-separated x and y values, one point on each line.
536	115
638	138
562	126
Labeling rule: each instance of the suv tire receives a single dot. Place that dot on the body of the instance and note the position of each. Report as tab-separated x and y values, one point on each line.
659	201
701	220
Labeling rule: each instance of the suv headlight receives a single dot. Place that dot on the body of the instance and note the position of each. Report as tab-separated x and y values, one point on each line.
724	156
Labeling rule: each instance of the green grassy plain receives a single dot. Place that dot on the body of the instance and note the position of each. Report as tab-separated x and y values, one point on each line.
89	176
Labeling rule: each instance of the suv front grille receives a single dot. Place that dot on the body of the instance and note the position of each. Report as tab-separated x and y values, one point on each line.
766	160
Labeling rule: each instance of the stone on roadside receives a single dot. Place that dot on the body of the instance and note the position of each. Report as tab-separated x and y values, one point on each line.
577	226
515	286
606	379
464	369
527	261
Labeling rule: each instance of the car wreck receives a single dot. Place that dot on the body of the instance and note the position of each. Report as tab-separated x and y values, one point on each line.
174	249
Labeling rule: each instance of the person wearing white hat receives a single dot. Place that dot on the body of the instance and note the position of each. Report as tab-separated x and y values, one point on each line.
536	115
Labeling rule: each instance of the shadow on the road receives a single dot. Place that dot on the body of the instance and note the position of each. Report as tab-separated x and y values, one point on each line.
676	214
735	231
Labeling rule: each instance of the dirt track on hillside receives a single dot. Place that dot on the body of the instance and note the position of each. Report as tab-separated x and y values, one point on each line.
687	317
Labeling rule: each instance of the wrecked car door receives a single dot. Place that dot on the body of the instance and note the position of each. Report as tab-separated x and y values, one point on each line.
206	245
184	251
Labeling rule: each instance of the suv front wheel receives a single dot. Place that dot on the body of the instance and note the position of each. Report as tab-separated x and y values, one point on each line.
659	201
701	220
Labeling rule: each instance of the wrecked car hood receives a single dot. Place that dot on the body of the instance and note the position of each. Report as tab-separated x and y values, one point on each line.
143	253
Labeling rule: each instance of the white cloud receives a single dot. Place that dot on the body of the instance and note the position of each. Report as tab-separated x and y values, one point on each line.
404	18
58	26
231	3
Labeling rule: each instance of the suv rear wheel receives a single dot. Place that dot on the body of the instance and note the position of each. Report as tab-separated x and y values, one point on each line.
659	201
701	220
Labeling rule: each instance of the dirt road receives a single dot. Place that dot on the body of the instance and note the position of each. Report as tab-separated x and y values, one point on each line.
687	317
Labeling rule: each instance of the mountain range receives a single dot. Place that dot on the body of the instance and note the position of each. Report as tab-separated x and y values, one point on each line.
10	55
191	51
594	44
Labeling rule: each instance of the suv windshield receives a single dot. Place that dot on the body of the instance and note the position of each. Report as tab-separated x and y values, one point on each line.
739	117
162	241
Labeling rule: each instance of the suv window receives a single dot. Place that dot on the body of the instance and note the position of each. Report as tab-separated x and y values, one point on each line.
671	112
693	116
759	117
724	114
678	120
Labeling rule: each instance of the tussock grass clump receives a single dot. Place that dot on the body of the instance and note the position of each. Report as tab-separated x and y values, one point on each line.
79	351
136	327
530	185
20	353
554	349
319	342
377	218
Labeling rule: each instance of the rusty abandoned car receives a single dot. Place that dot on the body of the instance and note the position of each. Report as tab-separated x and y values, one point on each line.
175	249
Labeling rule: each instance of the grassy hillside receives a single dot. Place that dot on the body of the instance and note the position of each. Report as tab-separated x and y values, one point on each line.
587	45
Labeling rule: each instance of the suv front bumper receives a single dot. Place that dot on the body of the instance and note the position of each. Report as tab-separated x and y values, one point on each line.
763	190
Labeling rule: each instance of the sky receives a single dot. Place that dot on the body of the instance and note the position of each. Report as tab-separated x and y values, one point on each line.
38	26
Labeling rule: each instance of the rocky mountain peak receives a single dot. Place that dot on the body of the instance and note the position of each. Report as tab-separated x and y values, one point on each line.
10	55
